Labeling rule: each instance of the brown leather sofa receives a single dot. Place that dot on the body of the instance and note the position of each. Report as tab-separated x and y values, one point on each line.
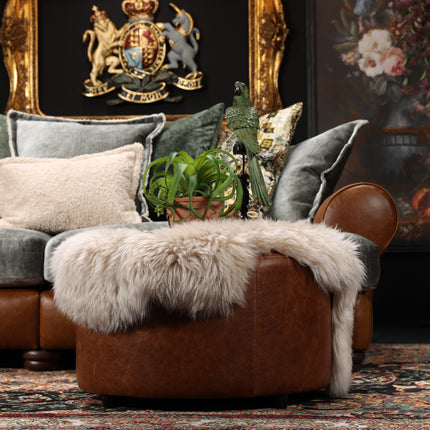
32	323
280	343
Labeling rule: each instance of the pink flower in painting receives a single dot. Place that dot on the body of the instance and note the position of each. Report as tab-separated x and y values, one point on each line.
392	62
389	41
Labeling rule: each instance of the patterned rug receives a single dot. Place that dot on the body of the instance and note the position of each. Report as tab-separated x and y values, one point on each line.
392	391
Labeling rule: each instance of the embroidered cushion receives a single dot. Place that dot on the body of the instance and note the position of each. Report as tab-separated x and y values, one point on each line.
274	136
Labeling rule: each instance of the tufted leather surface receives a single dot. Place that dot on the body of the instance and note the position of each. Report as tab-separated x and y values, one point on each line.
279	343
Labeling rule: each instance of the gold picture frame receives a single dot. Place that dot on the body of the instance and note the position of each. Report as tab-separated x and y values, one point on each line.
19	39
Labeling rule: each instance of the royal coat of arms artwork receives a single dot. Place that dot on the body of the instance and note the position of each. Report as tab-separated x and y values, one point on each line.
142	61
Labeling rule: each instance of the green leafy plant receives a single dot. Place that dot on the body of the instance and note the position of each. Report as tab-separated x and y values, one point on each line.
180	175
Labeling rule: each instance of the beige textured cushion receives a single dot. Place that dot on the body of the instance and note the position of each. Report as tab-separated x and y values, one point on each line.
54	195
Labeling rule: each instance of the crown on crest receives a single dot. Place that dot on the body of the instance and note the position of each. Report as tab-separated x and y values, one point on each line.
140	9
98	14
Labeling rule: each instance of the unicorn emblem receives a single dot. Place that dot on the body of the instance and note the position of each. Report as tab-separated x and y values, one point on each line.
183	37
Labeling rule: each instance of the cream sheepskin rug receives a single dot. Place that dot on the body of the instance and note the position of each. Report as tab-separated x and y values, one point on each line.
106	279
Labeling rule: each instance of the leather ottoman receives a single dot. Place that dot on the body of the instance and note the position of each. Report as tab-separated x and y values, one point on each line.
279	343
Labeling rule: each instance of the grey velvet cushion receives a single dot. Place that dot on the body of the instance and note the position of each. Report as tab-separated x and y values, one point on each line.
36	136
311	172
21	256
4	138
60	238
193	134
369	256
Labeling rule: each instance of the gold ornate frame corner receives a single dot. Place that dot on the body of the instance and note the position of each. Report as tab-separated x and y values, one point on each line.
267	34
19	40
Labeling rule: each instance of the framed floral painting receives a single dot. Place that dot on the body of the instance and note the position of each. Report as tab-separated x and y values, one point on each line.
371	59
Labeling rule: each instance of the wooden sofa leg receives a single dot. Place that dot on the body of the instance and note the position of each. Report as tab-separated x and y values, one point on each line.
280	402
41	360
357	360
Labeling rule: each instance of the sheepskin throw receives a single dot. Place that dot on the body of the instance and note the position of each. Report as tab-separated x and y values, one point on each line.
106	279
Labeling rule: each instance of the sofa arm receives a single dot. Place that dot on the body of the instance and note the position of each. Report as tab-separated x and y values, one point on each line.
362	208
368	210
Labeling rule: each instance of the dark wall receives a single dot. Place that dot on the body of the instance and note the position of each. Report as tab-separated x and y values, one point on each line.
4	87
292	79
4	80
402	294
63	65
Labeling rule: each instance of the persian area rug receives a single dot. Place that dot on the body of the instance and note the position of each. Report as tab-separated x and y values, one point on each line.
392	391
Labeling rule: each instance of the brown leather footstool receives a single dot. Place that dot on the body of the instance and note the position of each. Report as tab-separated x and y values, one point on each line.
280	343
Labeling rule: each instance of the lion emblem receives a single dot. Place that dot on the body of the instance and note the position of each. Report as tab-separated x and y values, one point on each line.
103	46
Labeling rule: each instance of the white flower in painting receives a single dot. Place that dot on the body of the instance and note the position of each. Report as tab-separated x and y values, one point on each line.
371	65
375	41
350	58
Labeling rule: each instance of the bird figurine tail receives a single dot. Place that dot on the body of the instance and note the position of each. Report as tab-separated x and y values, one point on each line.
258	186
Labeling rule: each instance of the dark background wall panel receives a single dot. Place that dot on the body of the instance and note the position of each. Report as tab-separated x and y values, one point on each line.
4	79
64	66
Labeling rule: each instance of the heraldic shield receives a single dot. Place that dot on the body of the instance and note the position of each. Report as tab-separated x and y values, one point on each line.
142	61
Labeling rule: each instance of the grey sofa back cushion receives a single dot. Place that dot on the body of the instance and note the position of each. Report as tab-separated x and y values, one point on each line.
311	172
36	136
4	138
193	134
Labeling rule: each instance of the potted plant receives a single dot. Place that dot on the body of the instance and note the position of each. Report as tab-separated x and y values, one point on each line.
193	188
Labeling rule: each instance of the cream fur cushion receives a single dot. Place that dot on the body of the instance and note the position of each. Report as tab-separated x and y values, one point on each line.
54	195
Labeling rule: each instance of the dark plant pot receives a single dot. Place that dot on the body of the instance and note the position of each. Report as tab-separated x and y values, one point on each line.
394	160
200	205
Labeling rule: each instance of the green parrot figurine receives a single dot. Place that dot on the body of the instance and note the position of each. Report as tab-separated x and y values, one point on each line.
242	118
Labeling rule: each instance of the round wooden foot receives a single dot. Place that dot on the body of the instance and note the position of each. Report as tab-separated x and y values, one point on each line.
357	360
42	360
280	402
